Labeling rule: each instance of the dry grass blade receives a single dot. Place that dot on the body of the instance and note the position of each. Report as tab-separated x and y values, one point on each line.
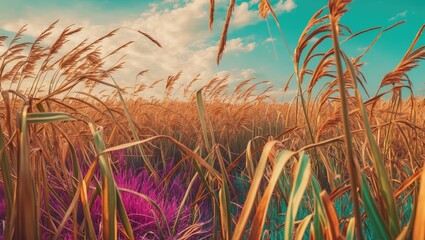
9	188
249	164
152	203
336	9
409	61
123	216
150	38
212	10
419	229
299	73
374	40
331	215
171	81
384	183
223	38
188	88
182	204
224	199
302	227
224	213
133	131
185	149
415	40
350	229
86	210
206	129
360	33
409	181
27	222
48	117
68	212
263	8
199	143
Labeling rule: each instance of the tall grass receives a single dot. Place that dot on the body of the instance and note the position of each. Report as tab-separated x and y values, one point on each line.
223	162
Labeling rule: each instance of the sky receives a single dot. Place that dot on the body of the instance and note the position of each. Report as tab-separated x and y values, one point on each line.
255	47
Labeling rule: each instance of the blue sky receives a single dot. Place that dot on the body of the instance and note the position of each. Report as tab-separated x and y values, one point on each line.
182	28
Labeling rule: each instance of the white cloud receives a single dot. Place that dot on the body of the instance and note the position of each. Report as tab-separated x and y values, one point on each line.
236	76
398	15
237	45
243	16
183	33
269	40
285	6
281	96
247	14
247	73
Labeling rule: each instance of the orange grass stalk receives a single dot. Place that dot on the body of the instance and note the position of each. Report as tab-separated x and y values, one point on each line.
336	9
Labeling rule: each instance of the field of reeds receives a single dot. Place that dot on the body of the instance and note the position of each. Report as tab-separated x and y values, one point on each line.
337	162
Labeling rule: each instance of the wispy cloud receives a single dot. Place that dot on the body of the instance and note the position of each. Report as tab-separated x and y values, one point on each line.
285	6
269	40
244	16
398	15
361	49
188	45
238	45
247	73
247	12
281	96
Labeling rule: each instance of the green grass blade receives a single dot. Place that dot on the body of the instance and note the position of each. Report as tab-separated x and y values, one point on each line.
203	119
384	182
224	213
48	117
377	222
109	196
122	214
252	192
261	212
319	219
302	176
352	164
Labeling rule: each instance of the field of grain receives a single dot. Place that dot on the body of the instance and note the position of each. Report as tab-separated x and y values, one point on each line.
336	162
